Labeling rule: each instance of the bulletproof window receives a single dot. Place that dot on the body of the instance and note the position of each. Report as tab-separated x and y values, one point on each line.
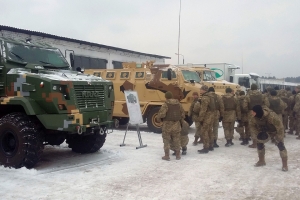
244	81
165	75
117	64
124	75
139	75
85	62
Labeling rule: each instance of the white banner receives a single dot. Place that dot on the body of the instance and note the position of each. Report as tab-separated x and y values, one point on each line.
133	107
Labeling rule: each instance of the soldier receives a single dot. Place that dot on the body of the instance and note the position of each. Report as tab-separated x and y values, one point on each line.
194	113
276	104
296	110
171	113
231	113
243	127
206	119
218	114
291	105
284	97
254	97
289	92
265	120
184	138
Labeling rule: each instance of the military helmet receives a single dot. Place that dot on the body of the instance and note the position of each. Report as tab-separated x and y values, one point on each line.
168	95
263	137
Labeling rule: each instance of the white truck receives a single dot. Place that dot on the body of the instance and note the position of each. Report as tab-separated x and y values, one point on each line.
226	71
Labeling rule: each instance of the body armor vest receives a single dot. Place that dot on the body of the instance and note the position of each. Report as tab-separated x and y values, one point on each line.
255	99
229	103
212	104
241	101
173	113
275	105
264	125
217	103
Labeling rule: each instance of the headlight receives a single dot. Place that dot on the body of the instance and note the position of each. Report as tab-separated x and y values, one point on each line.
110	87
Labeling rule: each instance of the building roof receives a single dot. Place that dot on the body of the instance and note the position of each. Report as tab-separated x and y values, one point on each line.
41	34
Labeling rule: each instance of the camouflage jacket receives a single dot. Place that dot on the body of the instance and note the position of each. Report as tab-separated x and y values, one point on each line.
291	103
221	105
282	105
196	111
204	105
297	104
244	113
191	112
255	92
164	109
231	115
273	123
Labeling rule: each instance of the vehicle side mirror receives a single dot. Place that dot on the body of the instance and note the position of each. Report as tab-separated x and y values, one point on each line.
169	74
79	69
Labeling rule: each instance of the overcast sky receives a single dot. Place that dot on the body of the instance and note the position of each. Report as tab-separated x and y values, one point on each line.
261	36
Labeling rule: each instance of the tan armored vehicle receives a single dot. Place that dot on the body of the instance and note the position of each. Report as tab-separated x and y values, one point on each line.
208	77
151	83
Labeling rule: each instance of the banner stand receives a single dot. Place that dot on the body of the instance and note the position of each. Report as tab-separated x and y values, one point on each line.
139	136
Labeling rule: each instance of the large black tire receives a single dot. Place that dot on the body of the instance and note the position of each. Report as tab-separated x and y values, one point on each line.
152	123
86	144
188	120
21	141
123	121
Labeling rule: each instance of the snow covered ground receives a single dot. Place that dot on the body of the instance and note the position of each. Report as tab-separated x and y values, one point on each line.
128	173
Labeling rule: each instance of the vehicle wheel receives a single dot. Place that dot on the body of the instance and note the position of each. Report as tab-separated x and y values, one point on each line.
21	141
152	122
188	120
87	143
123	121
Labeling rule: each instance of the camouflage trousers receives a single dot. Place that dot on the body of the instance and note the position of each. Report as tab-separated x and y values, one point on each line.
291	122
171	134
285	119
243	129
206	129
216	126
228	130
297	124
184	140
198	129
279	138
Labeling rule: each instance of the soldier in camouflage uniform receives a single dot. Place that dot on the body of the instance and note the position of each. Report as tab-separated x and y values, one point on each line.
171	113
243	127
206	119
194	113
218	114
254	97
284	97
231	113
184	138
265	121
296	110
291	105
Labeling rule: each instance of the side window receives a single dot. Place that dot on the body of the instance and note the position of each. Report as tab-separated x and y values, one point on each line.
124	75
117	65
89	63
165	75
139	75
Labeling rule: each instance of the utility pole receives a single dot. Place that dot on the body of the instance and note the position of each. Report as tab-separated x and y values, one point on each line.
179	30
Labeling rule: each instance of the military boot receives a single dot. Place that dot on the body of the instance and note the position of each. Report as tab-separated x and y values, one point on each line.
291	132
167	155
284	164
200	141
215	144
245	142
298	138
211	148
228	143
254	145
178	155
203	151
231	142
195	141
173	154
261	161
184	149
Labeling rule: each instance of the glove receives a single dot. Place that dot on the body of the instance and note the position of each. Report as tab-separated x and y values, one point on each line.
220	119
294	114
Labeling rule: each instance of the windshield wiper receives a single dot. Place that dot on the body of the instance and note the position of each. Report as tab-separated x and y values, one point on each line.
45	62
16	55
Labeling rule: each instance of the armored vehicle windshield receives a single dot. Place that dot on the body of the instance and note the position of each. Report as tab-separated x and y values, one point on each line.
37	55
209	76
190	75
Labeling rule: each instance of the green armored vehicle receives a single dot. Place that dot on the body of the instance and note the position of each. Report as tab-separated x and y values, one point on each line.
43	102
